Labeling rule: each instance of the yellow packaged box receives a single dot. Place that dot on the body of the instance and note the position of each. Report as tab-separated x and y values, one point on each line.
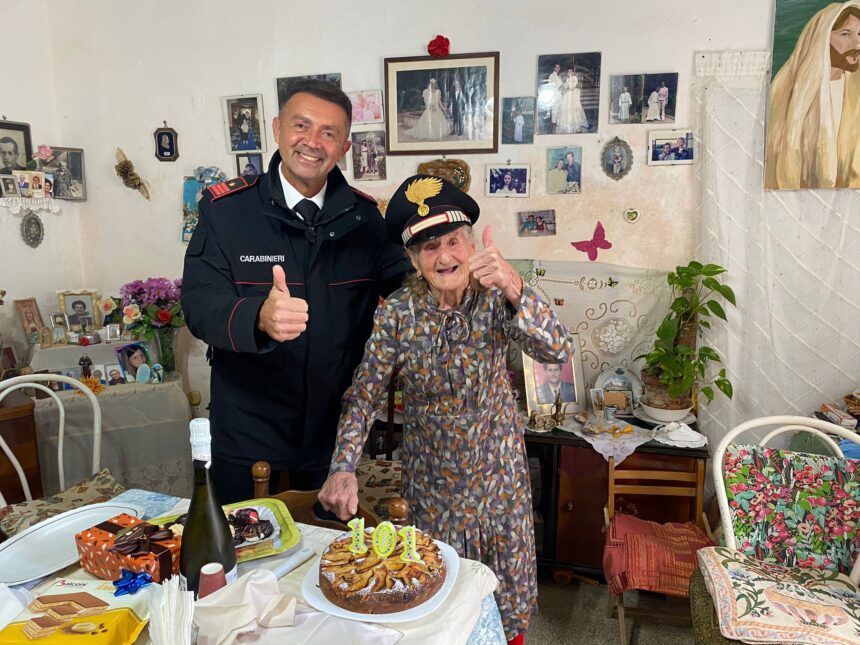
70	609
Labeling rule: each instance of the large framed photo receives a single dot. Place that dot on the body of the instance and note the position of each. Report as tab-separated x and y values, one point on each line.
670	147
442	105
67	168
568	93
548	382
16	149
79	305
508	180
31	319
244	124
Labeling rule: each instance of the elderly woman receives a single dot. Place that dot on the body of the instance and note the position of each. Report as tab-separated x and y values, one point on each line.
445	334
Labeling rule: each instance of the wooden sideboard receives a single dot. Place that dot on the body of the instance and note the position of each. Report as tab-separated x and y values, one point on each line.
574	484
18	429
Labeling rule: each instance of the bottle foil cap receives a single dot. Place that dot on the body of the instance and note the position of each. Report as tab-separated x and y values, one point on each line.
201	440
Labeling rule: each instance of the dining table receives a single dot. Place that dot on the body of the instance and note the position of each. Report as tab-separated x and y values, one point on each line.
469	614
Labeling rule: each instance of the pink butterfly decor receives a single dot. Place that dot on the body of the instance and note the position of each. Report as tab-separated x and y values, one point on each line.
599	241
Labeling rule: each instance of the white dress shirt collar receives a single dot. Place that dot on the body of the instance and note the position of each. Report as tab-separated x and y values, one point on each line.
293	197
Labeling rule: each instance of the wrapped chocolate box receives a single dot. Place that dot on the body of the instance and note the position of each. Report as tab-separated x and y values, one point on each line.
126	542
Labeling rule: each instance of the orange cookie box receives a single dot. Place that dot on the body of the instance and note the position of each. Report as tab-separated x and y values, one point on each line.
142	549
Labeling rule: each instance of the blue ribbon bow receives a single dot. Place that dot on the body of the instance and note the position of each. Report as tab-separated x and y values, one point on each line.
131	582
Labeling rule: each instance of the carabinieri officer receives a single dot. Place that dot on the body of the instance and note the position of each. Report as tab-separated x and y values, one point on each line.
282	276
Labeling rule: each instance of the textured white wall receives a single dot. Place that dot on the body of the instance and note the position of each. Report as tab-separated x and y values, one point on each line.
114	70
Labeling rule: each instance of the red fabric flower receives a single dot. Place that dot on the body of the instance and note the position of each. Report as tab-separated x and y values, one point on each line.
439	46
164	316
83	341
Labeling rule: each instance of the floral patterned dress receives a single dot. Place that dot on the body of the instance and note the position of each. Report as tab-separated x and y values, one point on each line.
465	473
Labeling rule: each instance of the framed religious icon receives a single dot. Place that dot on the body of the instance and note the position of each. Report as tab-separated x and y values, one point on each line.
507	180
442	105
244	124
548	383
616	158
166	144
16	148
31	319
79	305
67	168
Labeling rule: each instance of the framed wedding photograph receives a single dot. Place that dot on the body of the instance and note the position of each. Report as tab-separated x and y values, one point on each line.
67	168
503	180
78	305
244	123
547	382
670	147
366	107
31	319
16	149
568	93
442	105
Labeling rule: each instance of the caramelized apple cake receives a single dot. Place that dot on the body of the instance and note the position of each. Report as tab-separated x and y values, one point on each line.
369	585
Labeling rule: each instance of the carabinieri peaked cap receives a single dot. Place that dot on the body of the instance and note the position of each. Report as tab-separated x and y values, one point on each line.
424	207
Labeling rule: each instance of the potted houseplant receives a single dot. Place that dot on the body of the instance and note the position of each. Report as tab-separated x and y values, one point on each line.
674	366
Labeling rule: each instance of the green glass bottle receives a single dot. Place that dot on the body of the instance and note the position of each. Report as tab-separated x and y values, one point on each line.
206	536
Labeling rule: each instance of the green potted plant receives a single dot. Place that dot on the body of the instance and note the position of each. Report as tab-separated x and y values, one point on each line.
674	366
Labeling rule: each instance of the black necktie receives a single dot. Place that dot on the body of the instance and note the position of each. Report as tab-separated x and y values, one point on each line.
308	210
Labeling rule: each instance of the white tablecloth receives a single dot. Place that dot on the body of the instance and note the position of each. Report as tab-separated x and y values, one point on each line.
144	437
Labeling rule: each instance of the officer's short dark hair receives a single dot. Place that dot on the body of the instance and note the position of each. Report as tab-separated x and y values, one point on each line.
322	90
15	143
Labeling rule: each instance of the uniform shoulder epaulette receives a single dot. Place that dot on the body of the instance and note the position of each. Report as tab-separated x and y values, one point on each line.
230	187
369	198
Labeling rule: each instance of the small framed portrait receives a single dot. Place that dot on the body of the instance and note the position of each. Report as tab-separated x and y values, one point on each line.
536	223
134	363
113	331
37	184
113	374
596	396
99	373
547	383
166	144
670	147
244	123
31	320
660	93
518	120
283	84
49	185
9	186
78	305
58	319
616	158
442	105
564	170
368	155
23	178
507	180
568	93
366	106
249	165
16	149
69	177
58	335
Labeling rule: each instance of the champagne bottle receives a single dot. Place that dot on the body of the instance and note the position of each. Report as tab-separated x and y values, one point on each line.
206	536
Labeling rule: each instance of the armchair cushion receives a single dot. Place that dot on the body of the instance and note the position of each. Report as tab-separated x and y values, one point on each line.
97	488
794	508
760	602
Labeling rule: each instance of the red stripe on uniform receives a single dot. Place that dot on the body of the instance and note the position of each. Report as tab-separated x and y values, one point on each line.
230	322
337	284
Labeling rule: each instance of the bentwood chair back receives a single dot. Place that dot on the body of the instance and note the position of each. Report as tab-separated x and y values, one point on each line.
37	381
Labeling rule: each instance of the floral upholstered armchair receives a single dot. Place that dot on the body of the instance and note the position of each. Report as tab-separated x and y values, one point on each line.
789	570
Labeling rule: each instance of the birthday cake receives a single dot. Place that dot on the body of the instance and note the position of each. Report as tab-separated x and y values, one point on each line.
368	584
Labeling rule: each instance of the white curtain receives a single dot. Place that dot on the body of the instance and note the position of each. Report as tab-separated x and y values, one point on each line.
793	258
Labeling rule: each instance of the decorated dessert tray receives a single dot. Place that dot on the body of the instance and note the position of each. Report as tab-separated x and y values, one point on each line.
261	527
315	598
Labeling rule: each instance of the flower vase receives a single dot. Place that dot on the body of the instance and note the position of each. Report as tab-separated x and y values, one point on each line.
165	337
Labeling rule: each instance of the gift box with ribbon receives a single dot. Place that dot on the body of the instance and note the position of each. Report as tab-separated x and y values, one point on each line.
126	542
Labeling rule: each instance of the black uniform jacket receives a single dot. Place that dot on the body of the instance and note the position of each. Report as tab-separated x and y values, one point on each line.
271	400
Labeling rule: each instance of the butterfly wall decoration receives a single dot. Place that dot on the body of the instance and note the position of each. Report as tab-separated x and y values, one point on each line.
598	241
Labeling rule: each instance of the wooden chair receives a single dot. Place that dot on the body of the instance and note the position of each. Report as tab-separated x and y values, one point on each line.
678	542
301	503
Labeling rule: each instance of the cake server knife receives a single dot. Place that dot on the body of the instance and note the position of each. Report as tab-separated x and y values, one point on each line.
291	562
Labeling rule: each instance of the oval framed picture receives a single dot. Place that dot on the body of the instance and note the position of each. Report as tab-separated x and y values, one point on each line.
617	158
32	229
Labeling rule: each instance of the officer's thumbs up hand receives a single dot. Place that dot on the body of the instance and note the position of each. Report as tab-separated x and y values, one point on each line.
282	317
